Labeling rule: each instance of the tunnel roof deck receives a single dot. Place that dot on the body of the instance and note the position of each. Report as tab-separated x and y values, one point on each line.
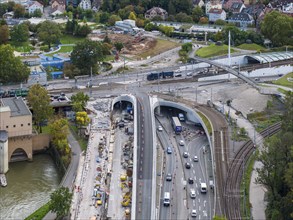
270	57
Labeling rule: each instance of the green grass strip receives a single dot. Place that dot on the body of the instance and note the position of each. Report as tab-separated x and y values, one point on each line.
206	122
40	213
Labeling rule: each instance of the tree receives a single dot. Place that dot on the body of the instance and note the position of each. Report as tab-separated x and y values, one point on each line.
4	34
118	46
112	19
59	130
278	28
197	13
203	20
132	16
20	33
70	70
37	13
83	30
49	32
79	101
19	11
220	22
61	201
82	119
85	56
39	100
12	68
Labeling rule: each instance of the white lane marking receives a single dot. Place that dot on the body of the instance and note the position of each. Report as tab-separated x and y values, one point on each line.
193	202
204	203
199	200
200	180
195	177
205	213
196	185
222	146
199	208
192	165
190	159
193	172
184	202
199	217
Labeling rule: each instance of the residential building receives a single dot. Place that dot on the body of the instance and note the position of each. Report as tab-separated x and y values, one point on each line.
241	19
96	4
256	11
58	7
85	4
127	25
213	4
216	14
199	3
156	12
33	6
228	3
237	7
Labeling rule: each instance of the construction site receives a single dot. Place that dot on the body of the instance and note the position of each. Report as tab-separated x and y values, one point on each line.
105	168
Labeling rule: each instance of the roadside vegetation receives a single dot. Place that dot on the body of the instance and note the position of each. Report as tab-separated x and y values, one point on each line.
40	213
277	171
206	122
286	80
213	50
255	47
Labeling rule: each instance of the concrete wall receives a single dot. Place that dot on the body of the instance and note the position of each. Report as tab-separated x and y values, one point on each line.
40	141
23	142
4	156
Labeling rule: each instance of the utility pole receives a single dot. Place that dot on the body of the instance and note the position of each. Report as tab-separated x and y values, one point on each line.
229	54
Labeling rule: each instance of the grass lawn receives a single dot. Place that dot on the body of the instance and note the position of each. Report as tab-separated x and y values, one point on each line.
69	39
251	47
283	81
21	47
161	46
213	50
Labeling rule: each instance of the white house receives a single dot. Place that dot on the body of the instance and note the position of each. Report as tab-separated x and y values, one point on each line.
213	4
85	4
216	14
33	6
156	11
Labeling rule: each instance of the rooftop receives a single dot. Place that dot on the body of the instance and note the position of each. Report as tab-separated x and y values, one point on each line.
17	106
271	57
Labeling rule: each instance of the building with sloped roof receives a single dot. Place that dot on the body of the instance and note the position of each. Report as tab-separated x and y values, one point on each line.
216	14
241	19
156	12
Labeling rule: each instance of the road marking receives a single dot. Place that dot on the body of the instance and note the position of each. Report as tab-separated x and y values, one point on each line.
205	213
194	173
199	217
200	180
199	200
222	147
190	159
184	202
195	177
204	203
193	201
192	165
196	185
199	208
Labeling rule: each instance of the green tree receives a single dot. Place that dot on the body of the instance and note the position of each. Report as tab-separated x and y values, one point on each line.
49	32
59	130
20	33
37	13
83	30
112	19
4	34
85	56
132	16
278	28
197	13
19	11
79	101
220	22
3	9
70	70
12	68
61	201
119	46
39	100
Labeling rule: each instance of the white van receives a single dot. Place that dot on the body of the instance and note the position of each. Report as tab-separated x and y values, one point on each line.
166	199
203	187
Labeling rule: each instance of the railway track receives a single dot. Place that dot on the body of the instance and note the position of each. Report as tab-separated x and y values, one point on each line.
232	193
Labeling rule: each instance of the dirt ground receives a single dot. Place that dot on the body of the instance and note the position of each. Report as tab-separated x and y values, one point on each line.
133	45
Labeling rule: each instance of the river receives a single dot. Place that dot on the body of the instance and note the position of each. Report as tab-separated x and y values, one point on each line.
29	185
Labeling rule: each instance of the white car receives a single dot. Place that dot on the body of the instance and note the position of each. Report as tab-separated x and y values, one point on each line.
181	143
195	159
193	213
160	128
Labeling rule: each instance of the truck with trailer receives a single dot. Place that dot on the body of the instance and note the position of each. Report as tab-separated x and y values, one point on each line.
176	125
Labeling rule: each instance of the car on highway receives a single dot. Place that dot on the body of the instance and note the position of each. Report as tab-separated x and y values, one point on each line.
192	194
160	128
195	159
193	213
189	74
169	150
178	75
181	143
169	177
190	180
185	154
187	165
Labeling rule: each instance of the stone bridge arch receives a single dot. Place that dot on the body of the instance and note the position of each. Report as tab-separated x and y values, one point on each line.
23	144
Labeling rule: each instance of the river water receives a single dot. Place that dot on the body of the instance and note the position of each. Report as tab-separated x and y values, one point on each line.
29	185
